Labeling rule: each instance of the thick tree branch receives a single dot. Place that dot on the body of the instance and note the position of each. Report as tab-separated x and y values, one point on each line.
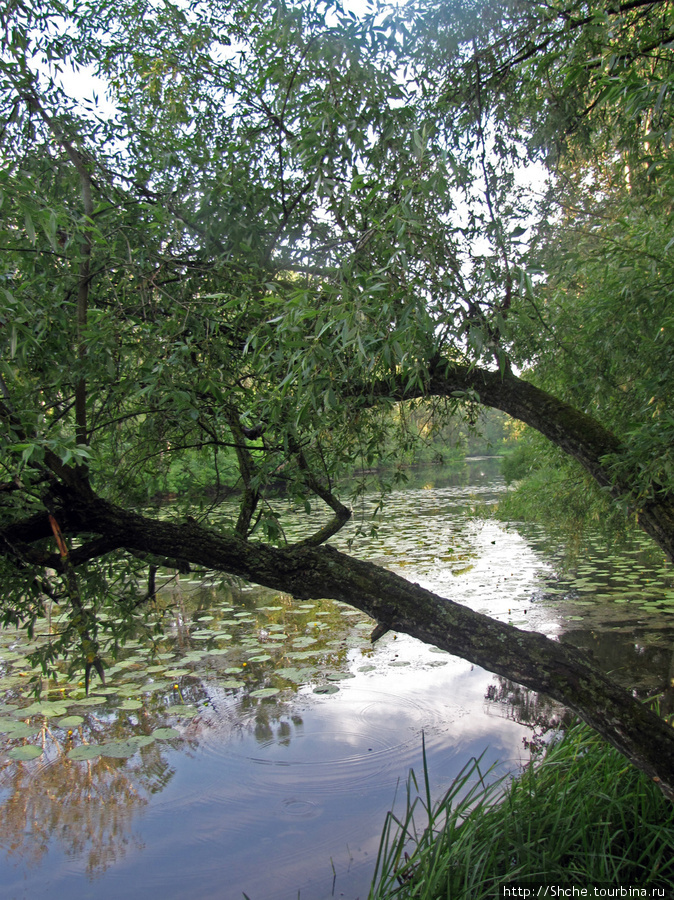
314	572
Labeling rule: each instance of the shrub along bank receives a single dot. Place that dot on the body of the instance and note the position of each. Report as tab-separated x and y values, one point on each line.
582	816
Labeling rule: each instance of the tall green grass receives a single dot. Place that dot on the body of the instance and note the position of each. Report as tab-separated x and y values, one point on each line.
583	815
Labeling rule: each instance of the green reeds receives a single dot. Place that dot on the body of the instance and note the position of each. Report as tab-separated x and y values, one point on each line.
583	815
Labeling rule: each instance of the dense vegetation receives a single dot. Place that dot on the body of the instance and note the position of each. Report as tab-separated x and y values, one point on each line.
283	222
578	817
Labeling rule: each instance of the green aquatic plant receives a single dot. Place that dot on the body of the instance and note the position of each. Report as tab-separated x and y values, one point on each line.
582	815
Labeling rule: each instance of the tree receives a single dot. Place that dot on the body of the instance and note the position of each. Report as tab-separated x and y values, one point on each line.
253	253
585	88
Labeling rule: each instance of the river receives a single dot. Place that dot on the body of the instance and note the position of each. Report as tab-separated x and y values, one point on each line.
259	747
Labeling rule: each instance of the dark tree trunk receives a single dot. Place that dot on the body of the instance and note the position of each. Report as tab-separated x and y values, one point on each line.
322	572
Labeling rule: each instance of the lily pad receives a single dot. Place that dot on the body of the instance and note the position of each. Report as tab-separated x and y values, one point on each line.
151	687
263	657
7	724
119	749
165	734
29	751
43	709
141	740
326	689
84	751
304	642
295	675
183	709
22	662
130	691
23	731
70	721
128	663
265	692
131	704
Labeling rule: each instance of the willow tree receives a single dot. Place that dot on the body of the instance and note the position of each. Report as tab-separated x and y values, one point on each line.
283	221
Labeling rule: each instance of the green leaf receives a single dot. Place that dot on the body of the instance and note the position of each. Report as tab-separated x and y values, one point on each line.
27	752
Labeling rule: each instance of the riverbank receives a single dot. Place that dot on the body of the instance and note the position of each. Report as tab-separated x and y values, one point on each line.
582	816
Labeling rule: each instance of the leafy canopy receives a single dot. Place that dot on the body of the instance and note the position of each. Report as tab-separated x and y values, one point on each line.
277	223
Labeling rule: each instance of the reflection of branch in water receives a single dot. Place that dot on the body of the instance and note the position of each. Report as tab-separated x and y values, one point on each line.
525	706
87	807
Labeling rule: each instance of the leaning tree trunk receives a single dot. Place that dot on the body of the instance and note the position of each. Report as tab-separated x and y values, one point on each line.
308	572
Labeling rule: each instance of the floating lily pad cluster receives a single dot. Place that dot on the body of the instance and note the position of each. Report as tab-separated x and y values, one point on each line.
248	646
604	589
252	645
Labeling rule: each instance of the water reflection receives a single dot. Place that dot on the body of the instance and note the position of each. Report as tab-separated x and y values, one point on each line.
87	809
270	736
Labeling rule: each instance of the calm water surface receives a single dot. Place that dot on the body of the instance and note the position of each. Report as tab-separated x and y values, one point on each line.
289	735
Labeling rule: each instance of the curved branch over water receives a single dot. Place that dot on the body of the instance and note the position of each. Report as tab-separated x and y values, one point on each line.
573	431
309	572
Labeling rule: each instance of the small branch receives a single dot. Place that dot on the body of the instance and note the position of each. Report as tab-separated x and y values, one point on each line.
81	617
246	463
173	562
151	587
342	513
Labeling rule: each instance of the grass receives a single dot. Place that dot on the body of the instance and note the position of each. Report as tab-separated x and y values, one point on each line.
581	816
